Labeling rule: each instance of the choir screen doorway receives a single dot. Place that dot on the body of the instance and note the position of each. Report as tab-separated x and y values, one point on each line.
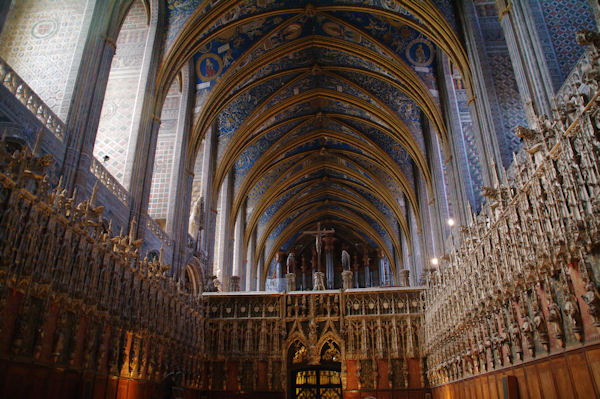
317	383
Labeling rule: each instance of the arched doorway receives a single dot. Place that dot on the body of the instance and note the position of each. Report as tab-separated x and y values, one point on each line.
315	381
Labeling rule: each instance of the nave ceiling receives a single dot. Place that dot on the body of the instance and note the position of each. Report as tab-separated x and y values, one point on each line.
320	109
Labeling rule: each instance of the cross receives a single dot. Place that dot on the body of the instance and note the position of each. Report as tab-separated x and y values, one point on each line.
318	236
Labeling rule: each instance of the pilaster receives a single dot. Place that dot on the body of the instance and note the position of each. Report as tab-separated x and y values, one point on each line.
238	244
531	73
180	189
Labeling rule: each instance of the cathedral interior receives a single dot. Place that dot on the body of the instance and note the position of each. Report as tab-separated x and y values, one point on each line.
308	199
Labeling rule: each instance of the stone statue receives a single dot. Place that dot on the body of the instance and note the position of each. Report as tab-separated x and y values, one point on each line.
291	262
345	260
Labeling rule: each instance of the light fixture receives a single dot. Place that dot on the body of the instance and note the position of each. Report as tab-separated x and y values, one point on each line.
451	222
434	261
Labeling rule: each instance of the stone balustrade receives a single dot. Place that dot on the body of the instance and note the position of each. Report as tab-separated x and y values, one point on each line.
17	86
109	181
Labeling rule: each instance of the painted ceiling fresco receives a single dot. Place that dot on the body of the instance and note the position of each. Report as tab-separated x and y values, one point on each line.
319	107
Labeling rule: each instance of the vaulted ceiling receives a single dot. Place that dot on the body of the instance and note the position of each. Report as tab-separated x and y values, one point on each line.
320	108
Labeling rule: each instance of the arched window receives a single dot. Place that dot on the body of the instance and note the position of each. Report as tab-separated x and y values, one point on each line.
124	94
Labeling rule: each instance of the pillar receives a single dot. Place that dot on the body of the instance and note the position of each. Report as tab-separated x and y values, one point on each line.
458	173
437	206
238	243
480	105
356	273
329	268
260	280
383	274
225	255
180	189
250	263
304	270
84	113
366	262
527	57
279	264
142	110
207	239
145	128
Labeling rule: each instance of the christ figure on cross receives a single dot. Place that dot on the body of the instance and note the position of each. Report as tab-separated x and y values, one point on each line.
318	241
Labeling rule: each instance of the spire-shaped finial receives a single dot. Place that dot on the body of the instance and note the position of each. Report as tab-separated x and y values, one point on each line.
132	230
38	141
93	195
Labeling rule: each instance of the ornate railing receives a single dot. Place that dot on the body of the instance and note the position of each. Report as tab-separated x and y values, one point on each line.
20	89
155	228
78	296
523	279
109	181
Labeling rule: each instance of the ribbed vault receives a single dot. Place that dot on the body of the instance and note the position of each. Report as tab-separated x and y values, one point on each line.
319	117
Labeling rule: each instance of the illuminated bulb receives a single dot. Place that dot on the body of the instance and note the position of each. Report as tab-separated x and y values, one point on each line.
434	261
451	222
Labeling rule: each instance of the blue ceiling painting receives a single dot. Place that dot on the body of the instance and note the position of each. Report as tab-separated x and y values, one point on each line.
302	72
216	57
387	143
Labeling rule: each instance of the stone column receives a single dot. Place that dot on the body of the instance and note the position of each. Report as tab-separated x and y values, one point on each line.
329	272
383	275
250	263
150	62
86	102
480	105
225	248
527	57
356	272
457	180
437	206
304	286
208	170
279	271
260	266
180	189
146	131
238	243
366	262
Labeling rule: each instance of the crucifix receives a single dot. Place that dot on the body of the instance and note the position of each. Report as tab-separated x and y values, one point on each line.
318	241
